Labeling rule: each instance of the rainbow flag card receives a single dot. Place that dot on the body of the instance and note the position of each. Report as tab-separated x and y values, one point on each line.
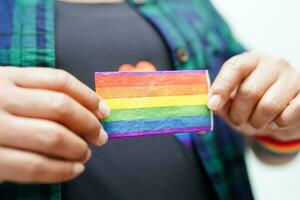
152	103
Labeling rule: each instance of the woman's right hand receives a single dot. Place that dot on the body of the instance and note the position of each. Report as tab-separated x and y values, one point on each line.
47	117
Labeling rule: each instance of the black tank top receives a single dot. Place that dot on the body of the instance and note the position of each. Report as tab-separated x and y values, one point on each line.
101	37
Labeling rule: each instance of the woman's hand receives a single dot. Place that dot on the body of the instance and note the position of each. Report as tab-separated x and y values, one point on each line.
258	94
47	117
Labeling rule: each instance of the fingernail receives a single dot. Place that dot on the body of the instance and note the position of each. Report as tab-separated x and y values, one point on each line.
273	125
214	102
103	137
78	168
104	109
99	114
88	156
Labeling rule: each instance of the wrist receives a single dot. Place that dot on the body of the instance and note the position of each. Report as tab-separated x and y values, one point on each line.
273	151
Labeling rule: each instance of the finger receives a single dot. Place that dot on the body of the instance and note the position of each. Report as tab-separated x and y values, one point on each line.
41	136
249	93
59	80
291	115
274	101
231	75
26	167
223	113
55	106
244	128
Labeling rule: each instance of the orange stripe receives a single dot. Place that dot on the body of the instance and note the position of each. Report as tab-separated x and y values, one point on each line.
149	79
274	149
281	148
167	90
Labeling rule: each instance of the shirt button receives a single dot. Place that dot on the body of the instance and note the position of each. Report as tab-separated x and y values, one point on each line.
139	2
182	55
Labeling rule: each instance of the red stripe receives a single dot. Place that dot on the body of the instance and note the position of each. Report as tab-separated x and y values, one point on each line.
277	142
150	79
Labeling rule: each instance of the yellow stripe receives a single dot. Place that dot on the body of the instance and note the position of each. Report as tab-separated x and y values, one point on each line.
150	102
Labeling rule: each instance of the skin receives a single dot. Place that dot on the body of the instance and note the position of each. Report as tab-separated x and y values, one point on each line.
47	119
258	94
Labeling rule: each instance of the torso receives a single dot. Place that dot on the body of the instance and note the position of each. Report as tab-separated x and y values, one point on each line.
159	167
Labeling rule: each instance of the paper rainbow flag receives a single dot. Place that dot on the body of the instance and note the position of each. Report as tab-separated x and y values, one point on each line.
152	103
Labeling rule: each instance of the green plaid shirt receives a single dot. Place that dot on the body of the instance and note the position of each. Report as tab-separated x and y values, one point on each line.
197	38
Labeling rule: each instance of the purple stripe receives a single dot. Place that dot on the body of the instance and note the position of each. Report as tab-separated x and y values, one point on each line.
156	72
159	132
40	26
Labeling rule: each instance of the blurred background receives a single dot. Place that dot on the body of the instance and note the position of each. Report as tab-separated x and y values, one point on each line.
271	26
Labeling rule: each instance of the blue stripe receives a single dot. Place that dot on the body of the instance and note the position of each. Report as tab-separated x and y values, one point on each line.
40	26
6	23
156	124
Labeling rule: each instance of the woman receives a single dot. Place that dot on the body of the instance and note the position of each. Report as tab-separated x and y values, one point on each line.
48	116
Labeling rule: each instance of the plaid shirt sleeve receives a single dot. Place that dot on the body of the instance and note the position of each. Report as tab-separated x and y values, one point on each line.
11	191
27	39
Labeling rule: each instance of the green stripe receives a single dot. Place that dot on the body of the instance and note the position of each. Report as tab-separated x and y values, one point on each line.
162	112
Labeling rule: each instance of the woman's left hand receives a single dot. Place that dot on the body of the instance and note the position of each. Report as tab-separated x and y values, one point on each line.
258	94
